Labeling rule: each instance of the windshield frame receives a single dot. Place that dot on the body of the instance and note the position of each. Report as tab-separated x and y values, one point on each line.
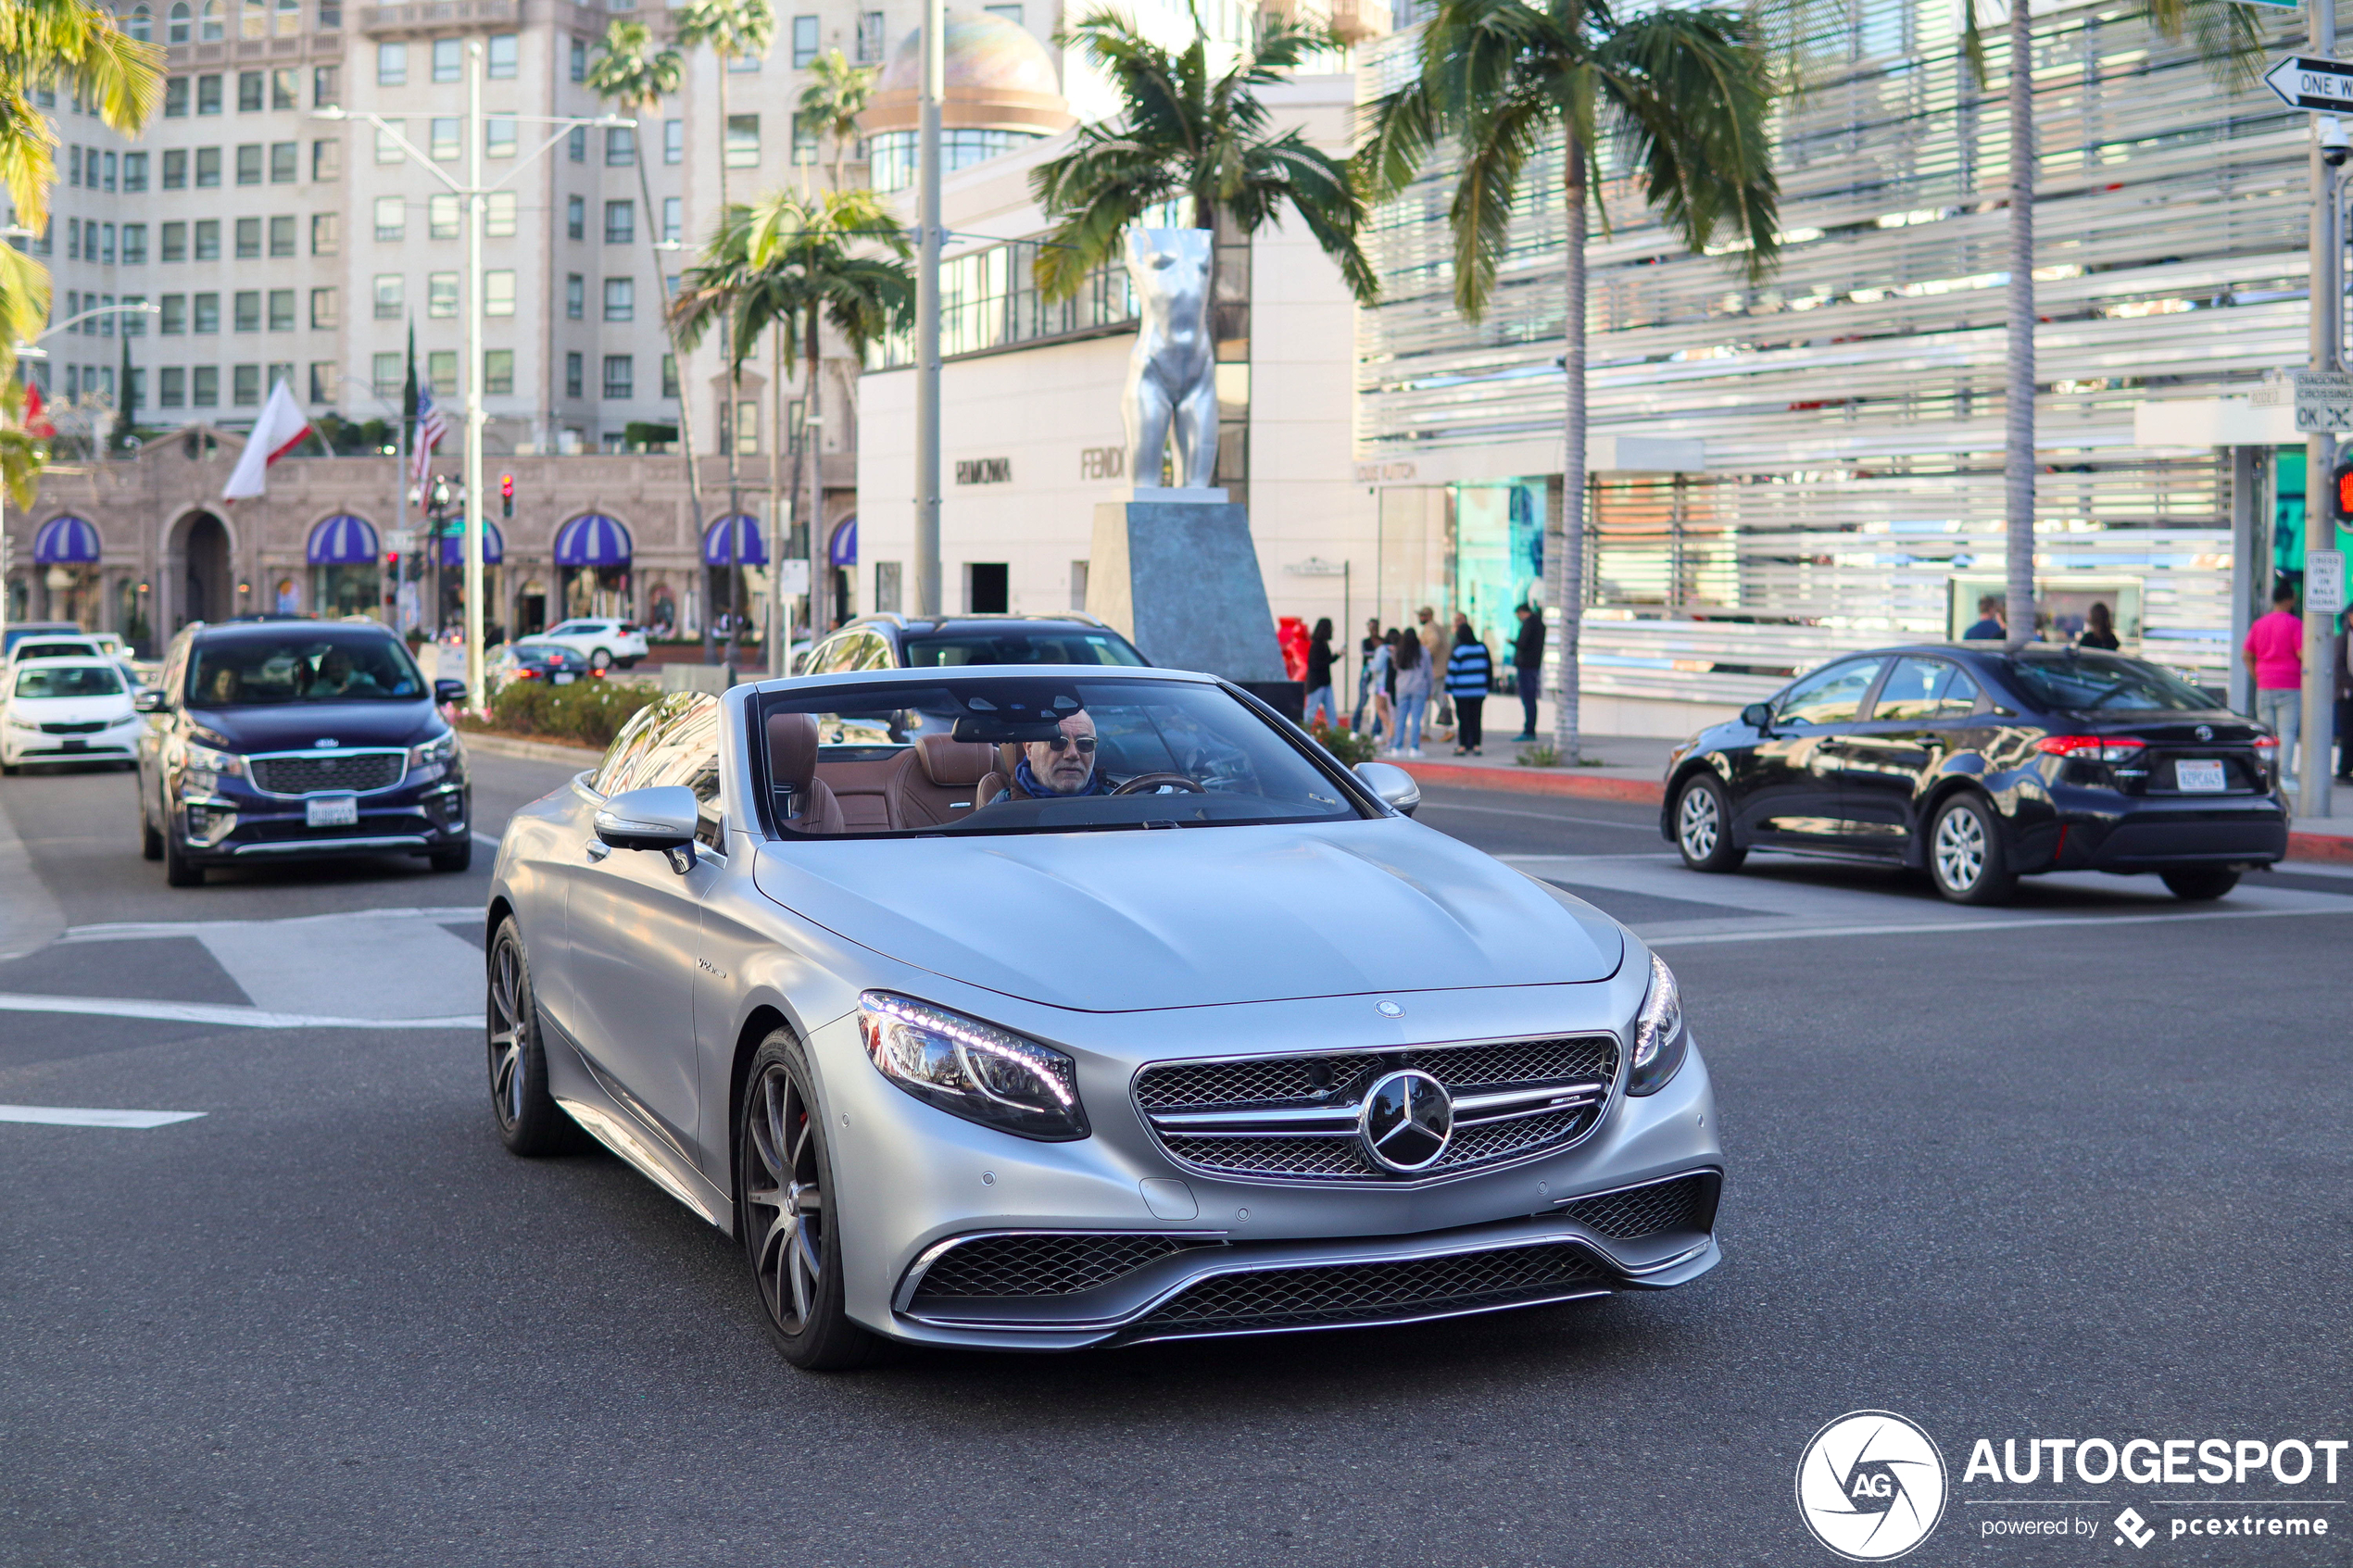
750	716
190	692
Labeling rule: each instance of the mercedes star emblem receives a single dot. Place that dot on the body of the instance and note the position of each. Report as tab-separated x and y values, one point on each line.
1406	1121
1389	1009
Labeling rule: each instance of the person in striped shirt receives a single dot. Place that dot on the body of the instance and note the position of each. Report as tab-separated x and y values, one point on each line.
1470	670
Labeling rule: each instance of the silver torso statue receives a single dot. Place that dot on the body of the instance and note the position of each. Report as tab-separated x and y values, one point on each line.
1172	374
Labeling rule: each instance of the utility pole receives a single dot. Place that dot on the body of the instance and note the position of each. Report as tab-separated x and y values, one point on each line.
927	215
2320	452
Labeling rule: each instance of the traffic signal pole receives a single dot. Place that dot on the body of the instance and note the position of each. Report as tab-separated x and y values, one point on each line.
2319	456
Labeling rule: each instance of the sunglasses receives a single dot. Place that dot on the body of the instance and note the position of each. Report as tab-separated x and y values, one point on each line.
1086	743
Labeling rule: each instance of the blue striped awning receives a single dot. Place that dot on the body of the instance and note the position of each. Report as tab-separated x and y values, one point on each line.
66	541
592	539
751	550
844	551
343	540
494	546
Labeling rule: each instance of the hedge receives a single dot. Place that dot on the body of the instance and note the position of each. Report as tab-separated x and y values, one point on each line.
586	712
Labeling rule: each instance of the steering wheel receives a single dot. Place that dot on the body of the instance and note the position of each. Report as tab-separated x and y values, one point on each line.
1143	781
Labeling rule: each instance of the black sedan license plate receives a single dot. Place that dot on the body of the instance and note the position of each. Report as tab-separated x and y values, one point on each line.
2198	776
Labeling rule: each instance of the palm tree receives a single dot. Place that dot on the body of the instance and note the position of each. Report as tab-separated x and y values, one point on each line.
1183	131
634	78
734	30
1685	94
794	263
832	102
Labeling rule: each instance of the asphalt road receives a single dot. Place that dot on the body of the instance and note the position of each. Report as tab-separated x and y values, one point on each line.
2076	1169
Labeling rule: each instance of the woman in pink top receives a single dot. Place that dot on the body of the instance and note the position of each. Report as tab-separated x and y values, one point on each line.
2275	651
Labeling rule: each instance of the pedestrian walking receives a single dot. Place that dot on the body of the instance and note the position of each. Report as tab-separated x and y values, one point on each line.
1364	652
1413	695
1470	670
1319	674
1379	675
1992	621
2275	651
2099	630
1527	666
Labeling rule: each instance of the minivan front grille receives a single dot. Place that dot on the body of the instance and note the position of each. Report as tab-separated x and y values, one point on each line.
341	773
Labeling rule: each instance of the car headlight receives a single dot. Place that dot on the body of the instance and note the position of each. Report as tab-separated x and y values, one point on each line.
16	721
1659	1035
207	767
441	749
973	1070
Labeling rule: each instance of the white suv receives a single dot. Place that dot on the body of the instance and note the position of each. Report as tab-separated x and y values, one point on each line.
602	643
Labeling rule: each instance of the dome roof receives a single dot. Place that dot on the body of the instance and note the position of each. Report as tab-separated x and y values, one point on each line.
998	76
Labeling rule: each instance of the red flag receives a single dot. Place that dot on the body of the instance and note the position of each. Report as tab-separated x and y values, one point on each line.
36	419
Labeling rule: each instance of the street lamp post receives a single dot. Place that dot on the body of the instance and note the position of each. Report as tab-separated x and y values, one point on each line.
475	195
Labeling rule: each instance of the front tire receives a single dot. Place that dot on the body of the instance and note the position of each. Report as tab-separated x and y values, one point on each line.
601	660
1703	827
529	1122
150	841
457	860
787	1219
1965	855
2198	883
178	870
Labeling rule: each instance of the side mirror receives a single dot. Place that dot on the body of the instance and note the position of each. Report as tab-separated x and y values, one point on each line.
1759	716
1394	786
448	691
662	818
146	700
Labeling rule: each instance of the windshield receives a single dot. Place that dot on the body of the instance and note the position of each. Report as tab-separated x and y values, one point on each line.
1020	648
26	652
68	679
1033	754
307	666
2087	682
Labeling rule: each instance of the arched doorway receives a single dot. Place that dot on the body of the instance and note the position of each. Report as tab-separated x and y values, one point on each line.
207	589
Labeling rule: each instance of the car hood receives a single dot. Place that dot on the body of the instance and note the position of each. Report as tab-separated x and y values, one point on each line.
298	726
1129	921
69	709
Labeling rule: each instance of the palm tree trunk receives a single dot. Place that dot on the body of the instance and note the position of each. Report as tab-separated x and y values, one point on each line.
735	384
812	443
1564	563
2017	400
779	634
677	355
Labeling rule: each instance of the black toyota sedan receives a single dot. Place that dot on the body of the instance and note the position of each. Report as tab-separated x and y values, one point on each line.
1979	767
298	738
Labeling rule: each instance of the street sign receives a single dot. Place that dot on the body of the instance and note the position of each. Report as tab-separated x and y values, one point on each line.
795	572
2324	582
2323	399
2305	81
400	540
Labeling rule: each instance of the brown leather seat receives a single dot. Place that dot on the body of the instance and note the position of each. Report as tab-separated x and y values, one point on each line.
935	780
792	767
1000	780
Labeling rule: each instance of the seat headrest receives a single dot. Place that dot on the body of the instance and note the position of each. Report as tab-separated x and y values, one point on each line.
792	749
955	764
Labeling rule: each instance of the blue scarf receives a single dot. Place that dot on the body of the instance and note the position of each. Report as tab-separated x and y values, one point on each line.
1029	785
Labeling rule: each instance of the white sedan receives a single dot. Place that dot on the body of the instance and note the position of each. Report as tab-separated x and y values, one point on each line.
602	643
66	710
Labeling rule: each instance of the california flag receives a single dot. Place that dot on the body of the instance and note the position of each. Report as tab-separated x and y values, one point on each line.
281	427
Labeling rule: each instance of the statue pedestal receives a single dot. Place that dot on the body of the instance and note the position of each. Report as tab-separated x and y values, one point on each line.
1180	578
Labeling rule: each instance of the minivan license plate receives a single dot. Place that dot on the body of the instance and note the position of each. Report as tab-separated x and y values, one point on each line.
335	811
2199	777
563	677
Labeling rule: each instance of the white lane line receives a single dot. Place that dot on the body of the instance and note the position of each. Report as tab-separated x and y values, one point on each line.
71	1116
486	841
217	1013
124	931
1941	927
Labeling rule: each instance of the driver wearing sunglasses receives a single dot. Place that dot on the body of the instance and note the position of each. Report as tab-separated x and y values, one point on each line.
1064	765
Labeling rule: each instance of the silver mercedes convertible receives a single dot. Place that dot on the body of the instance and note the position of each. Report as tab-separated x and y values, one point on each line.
1036	1008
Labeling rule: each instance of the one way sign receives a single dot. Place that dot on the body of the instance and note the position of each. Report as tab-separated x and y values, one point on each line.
2304	83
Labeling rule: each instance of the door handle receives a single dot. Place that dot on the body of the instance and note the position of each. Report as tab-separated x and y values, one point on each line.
598	850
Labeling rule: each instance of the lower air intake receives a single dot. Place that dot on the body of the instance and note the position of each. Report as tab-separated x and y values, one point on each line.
1683	1204
1335	1294
1040	1265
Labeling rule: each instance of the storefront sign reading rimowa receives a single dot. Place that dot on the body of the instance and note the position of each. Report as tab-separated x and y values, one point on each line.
984	470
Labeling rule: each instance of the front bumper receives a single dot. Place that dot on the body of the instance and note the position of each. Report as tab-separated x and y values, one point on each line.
228	822
102	746
2107	830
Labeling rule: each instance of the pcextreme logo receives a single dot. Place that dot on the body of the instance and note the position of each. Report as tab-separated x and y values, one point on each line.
1871	1486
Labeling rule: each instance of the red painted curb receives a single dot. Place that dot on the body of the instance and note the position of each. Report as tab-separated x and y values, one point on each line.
2334	849
1539	781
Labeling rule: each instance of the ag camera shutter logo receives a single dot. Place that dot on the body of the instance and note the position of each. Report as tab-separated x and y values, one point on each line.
1871	1486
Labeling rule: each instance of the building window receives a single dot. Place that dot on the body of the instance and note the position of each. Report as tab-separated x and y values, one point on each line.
620	147
502	56
175	171
870	38
390	295
135	171
251	85
498	215
498	370
134	245
887	587
580	60
392	217
747	428
248	239
330	16
285	162
669	375
204	387
620	224
326	311
441	216
574	370
73	244
246	387
804	42
282	234
445	145
498	136
249	164
207	168
281	310
174	320
575	296
392	65
674	141
672	210
441	295
172	387
388	138
175	96
209	93
253	19
575	217
246	316
326	160
174	242
448	55
141	24
323	380
621	299
286	88
441	369
203	313
743	141
108	183
620	376
385	377
135	322
499	292
207	239
804	138
576	144
326	86
326	233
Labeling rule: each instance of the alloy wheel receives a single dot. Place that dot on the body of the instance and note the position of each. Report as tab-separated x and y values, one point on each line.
1960	848
784	1200
1698	825
507	1033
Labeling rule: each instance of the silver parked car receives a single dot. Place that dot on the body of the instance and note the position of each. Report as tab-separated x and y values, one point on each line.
1025	1010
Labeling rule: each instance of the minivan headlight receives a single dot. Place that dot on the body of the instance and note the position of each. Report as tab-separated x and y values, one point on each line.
973	1070
1659	1035
206	767
439	749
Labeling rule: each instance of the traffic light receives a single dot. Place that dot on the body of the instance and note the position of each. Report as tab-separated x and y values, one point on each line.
2343	477
507	495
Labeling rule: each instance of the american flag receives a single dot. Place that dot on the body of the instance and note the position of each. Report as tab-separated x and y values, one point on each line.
431	428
